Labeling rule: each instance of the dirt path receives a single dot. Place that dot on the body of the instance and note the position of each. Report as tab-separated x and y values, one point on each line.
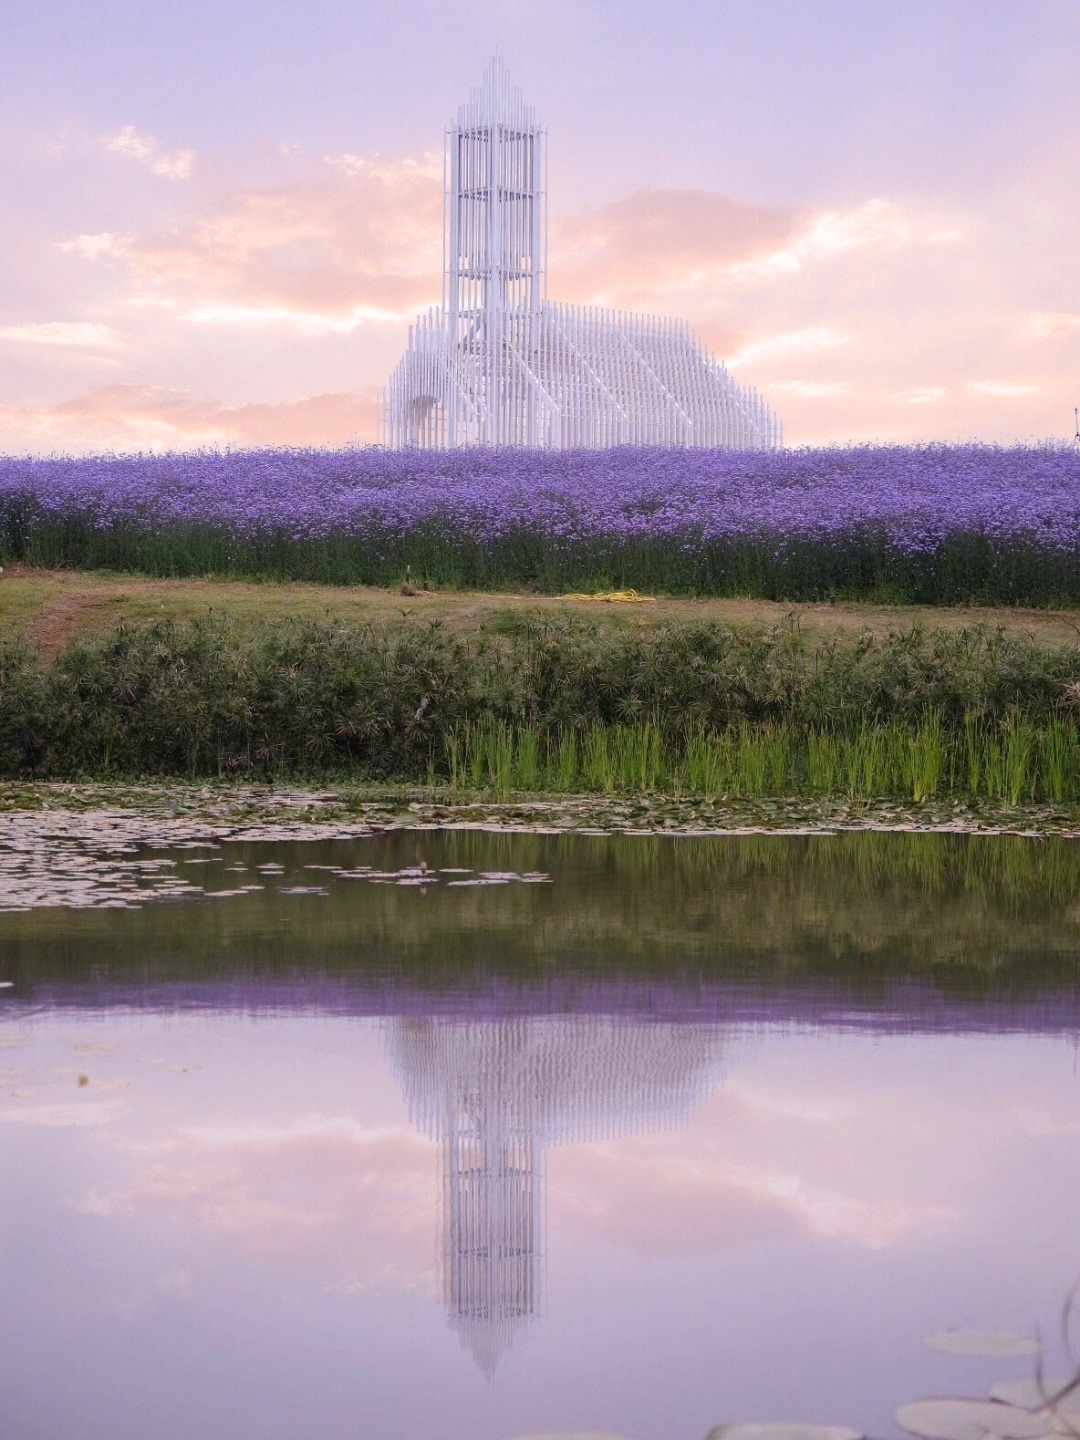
51	607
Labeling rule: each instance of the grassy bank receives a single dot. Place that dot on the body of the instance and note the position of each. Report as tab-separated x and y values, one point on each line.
555	706
50	608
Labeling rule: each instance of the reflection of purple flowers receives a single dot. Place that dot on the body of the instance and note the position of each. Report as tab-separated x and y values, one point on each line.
902	502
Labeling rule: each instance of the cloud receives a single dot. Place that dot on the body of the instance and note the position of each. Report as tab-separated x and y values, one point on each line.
1004	389
922	394
68	333
309	322
889	318
795	342
658	240
814	389
173	165
1046	325
357	242
94	247
876	225
151	417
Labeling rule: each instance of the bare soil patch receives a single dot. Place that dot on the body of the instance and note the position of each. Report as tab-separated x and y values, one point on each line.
51	607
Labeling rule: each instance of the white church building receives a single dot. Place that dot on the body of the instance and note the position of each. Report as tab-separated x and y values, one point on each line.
499	364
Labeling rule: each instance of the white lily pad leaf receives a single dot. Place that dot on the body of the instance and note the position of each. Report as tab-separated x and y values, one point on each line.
780	1430
994	1343
962	1419
1031	1394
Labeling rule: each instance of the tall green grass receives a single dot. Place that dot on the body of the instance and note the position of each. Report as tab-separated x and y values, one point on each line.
1010	764
690	709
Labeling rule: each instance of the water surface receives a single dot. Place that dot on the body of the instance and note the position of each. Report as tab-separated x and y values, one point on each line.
484	1136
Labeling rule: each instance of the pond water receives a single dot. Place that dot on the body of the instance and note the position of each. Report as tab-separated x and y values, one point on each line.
479	1136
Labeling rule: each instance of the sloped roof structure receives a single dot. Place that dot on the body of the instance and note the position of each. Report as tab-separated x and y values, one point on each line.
499	364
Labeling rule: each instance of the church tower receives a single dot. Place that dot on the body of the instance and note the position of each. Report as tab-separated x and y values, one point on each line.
499	364
495	231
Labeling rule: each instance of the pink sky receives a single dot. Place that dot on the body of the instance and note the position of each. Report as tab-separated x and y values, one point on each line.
887	253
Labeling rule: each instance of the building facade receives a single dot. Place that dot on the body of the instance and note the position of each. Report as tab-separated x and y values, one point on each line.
497	363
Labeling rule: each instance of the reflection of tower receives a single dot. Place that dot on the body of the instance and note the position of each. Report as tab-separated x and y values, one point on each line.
495	1094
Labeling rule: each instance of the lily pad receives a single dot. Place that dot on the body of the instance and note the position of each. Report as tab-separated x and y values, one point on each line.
970	1420
993	1343
1032	1394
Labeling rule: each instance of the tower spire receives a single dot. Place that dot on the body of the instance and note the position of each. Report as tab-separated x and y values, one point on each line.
494	211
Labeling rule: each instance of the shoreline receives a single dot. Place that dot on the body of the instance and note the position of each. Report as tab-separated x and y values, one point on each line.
159	814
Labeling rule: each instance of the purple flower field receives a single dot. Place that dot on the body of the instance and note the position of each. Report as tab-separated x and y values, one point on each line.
933	523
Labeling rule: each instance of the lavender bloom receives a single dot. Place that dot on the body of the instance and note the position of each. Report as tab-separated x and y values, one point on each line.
793	522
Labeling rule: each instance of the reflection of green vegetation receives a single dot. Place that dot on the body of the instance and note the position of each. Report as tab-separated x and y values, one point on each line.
972	915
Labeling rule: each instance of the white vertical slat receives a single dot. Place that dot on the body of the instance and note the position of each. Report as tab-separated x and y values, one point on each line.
497	364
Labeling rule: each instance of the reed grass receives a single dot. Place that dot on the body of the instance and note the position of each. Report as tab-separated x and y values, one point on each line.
691	709
1008	765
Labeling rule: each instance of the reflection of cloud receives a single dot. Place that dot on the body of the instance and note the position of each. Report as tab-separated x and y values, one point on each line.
656	1205
1048	1122
98	1112
761	1160
357	1203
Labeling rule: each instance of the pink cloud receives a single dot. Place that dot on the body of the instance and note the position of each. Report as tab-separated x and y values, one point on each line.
631	253
356	240
150	417
69	334
888	320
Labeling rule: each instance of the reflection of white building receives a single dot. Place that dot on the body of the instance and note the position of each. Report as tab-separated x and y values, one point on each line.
498	364
495	1094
